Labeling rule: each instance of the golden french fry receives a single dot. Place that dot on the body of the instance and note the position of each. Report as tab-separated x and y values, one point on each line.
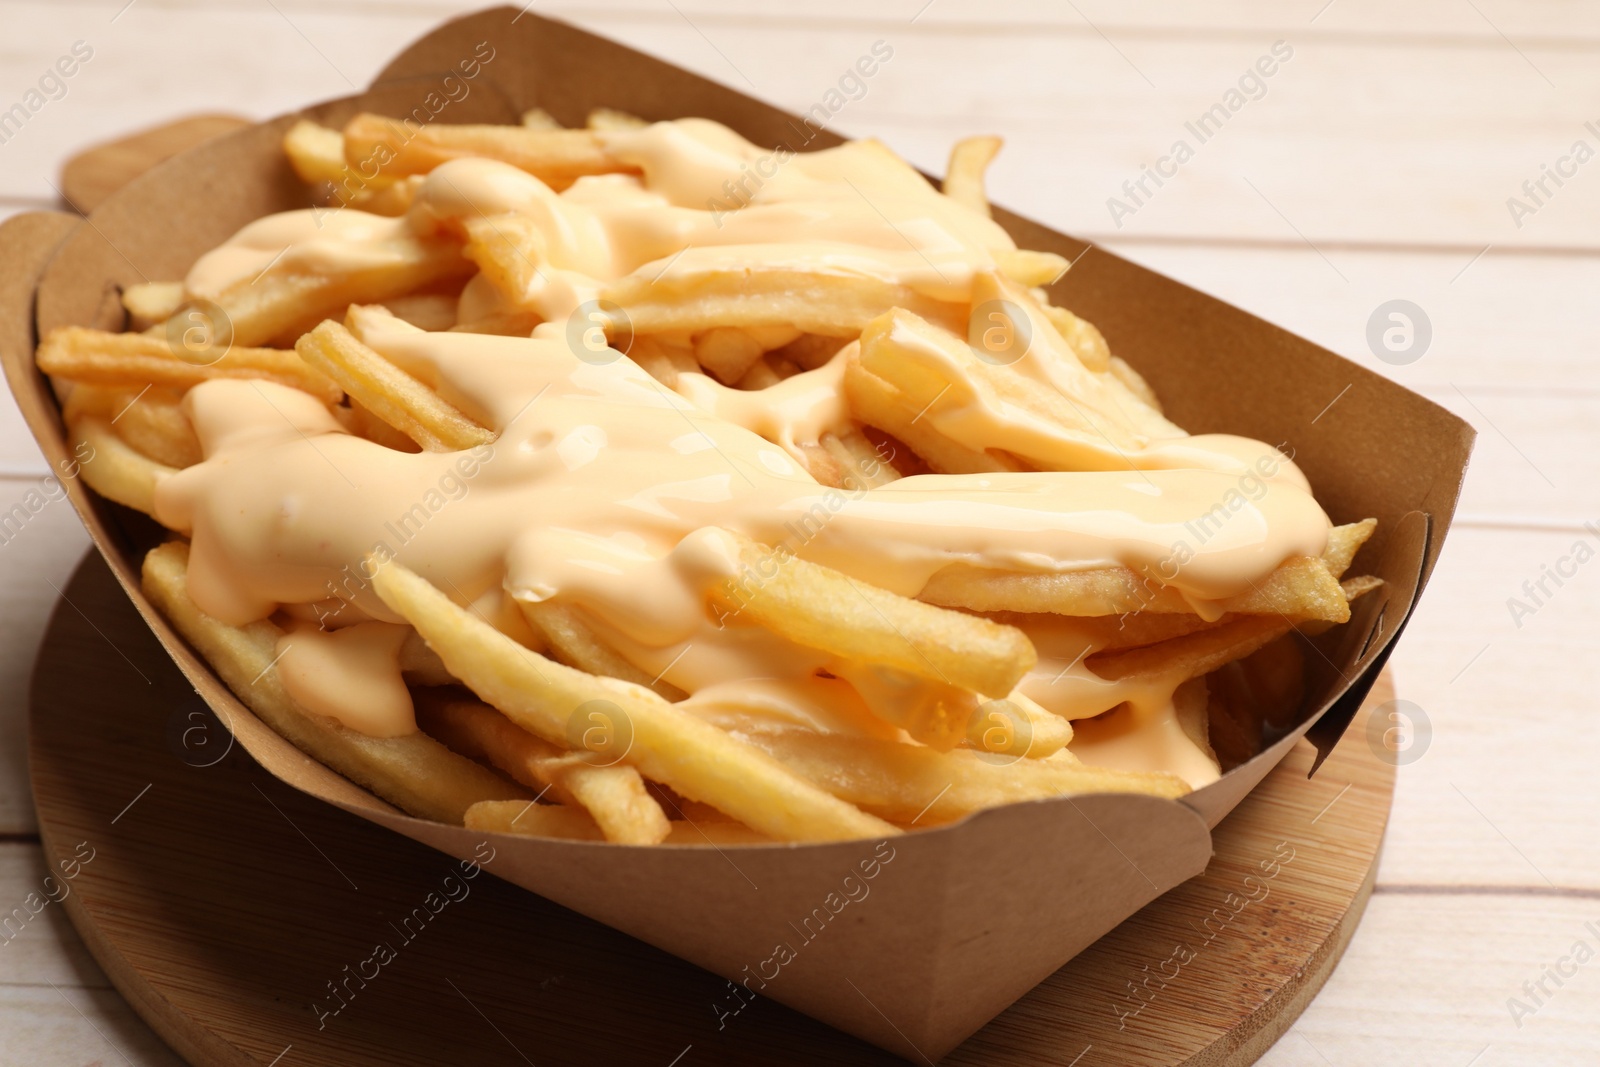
1029	268
963	180
811	350
574	824
315	152
662	361
283	303
1203	651
1102	400
1018	726
537	118
509	324
389	392
860	463
1062	416
837	304
508	248
1301	588
391	199
433	312
101	358
576	644
155	425
1343	544
149	303
825	609
761	375
916	785
112	468
400	147
421	665
666	744
879	403
149	419
614	796
727	352
1091	348
605	118
414	772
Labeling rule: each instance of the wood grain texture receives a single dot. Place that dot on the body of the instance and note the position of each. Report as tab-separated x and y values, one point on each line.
199	860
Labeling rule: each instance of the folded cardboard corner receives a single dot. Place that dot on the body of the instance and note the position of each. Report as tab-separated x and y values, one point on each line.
960	920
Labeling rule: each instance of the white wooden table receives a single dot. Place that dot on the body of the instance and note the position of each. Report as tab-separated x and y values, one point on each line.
1375	165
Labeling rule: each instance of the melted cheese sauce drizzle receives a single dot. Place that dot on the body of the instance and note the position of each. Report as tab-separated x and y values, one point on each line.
606	491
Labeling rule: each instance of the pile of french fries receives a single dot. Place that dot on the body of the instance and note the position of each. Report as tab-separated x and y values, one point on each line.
495	702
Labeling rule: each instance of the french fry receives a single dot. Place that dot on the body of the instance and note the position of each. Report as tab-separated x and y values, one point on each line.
1062	416
315	152
1343	544
1002	727
391	200
555	156
421	665
811	350
1300	589
759	376
1200	652
148	419
389	392
614	796
963	181
727	352
149	303
860	463
101	358
819	607
575	643
1030	268
155	425
880	403
574	824
836	304
916	785
509	324
537	118
112	468
662	361
280	302
508	249
605	118
414	772
1091	348
668	745
426	311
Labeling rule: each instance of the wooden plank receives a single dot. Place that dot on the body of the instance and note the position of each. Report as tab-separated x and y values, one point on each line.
1498	794
33	554
1503	321
58	1006
1463	127
1427	979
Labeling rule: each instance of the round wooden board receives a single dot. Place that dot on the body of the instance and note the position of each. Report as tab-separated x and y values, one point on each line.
222	904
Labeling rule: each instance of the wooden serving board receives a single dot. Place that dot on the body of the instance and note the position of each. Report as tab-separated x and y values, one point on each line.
222	904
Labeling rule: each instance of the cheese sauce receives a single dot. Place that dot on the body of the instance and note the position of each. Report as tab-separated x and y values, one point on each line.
607	491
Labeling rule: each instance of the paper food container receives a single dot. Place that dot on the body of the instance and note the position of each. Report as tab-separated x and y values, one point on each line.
962	920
